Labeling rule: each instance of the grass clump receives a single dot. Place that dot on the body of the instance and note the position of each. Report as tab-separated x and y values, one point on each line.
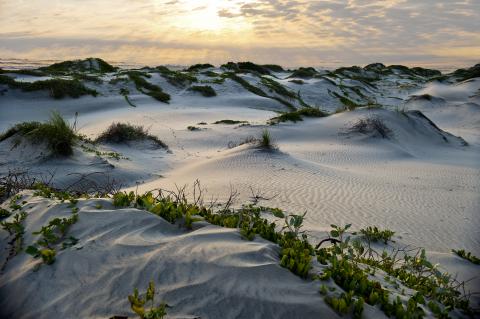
467	256
297	115
266	140
230	122
193	128
57	133
206	91
126	132
373	234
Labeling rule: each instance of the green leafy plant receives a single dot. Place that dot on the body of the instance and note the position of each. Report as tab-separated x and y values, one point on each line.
137	304
16	230
123	199
51	235
373	234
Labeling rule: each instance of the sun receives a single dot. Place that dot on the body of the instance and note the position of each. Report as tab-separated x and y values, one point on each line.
202	15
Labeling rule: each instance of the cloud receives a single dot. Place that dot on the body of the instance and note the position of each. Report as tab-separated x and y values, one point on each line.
289	32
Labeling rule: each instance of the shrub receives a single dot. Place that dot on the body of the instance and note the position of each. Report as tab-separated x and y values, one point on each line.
193	128
206	91
125	132
20	128
372	124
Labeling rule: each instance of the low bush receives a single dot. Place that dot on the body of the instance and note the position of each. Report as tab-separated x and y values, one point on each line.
371	125
206	91
304	73
125	132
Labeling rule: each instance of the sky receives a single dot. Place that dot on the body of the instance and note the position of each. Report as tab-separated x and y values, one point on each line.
286	32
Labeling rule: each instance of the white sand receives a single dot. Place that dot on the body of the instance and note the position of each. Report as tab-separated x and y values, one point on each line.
423	184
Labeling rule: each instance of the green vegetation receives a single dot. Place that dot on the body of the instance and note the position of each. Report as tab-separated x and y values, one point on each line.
298	115
467	74
206	91
58	88
229	122
250	66
24	72
467	255
304	73
137	304
176	78
349	104
373	234
52	235
415	272
125	92
146	87
56	133
277	88
296	81
273	67
266	140
16	230
198	67
113	155
4	213
125	132
351	264
90	65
